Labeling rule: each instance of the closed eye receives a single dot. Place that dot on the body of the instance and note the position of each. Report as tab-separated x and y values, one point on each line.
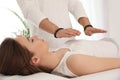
32	40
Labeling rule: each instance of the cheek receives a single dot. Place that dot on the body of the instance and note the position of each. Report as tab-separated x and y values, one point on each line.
37	47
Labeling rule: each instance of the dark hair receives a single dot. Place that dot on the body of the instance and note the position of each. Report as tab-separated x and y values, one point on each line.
15	59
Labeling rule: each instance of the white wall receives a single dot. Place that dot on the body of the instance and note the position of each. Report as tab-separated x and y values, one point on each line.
114	19
9	23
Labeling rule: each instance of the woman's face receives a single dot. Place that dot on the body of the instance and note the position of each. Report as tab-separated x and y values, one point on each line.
33	44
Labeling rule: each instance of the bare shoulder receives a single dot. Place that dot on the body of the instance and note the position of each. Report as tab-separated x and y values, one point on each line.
73	59
75	64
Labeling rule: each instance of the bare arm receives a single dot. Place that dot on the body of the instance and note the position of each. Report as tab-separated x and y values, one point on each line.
48	26
51	28
83	64
84	21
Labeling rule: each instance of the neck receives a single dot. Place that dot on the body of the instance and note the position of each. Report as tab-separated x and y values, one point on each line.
50	61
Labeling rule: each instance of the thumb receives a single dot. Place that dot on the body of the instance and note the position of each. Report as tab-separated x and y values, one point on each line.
89	33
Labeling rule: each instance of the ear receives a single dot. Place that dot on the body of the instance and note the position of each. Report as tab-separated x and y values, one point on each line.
35	60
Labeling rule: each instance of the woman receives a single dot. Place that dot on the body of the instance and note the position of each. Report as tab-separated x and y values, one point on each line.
50	20
22	56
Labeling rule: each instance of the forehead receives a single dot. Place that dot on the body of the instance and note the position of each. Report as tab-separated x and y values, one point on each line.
22	40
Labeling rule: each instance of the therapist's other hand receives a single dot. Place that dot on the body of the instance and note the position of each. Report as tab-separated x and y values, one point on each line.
91	30
68	32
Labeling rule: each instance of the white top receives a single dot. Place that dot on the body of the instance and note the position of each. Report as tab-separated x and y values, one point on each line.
56	11
102	48
62	68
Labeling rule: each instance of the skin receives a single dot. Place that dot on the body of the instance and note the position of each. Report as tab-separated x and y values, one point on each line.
50	27
90	30
77	63
41	53
68	32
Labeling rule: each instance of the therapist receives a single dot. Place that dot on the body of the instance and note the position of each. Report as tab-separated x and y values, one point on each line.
50	19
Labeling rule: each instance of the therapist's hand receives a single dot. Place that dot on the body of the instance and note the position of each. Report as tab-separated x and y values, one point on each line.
68	32
91	30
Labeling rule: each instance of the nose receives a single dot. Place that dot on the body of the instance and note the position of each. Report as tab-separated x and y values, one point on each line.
34	37
19	35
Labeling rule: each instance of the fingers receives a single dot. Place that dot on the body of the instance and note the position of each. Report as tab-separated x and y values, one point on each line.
69	32
89	33
73	32
91	30
95	30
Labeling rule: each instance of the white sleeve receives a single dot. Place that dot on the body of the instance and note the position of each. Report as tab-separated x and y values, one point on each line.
31	11
76	8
